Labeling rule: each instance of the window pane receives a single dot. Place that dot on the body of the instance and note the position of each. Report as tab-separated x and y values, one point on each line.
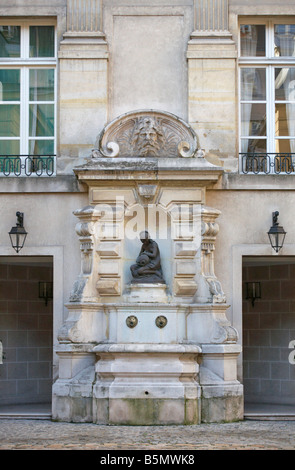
9	41
253	145
41	120
285	119
9	120
252	40
41	147
253	84
9	85
9	147
284	40
41	85
285	146
41	41
253	119
285	84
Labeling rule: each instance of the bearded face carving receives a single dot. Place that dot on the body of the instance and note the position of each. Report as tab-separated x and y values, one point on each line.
147	138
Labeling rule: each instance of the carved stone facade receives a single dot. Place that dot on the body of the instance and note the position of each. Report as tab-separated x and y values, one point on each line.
129	335
147	134
146	138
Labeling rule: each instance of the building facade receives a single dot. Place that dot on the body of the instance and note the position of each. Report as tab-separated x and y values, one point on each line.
175	118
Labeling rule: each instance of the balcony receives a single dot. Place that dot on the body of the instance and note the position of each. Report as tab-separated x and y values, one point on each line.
267	163
28	165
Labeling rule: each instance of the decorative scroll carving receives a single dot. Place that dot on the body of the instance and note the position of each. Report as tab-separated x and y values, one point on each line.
224	334
215	289
210	230
84	230
147	133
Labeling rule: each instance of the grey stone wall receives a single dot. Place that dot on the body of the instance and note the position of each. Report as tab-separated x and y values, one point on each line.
268	327
26	333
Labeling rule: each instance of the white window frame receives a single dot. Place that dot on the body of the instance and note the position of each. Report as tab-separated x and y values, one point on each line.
269	62
25	63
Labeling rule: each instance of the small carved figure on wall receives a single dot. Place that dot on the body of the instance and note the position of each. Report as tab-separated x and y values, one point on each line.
147	268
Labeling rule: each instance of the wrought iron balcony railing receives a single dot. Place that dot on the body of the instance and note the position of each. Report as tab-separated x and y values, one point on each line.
267	163
27	165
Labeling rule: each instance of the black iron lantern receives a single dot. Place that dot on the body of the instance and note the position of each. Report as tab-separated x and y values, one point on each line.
45	291
18	234
253	291
276	233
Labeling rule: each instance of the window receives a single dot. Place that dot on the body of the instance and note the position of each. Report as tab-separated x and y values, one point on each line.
267	93
27	89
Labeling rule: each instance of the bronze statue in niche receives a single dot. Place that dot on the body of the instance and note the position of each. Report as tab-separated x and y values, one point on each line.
147	268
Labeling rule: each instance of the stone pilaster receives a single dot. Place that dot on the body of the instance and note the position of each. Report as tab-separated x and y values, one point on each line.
211	18
83	38
211	55
83	16
83	59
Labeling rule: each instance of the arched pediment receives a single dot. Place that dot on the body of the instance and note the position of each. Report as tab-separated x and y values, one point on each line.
147	133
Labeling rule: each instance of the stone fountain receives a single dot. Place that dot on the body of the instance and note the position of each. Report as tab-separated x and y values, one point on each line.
147	340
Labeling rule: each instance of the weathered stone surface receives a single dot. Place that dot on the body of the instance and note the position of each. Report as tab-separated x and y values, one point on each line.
147	133
137	394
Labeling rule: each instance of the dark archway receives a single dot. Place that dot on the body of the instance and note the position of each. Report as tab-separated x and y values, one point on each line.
26	332
268	330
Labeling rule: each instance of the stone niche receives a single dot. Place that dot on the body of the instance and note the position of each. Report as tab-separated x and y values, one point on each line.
139	347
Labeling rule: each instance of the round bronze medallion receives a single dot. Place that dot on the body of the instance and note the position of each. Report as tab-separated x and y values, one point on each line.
161	321
131	321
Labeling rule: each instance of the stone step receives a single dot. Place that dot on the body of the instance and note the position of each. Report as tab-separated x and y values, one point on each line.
25	416
270	416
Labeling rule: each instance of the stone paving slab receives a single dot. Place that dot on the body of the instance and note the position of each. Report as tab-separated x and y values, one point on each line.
23	434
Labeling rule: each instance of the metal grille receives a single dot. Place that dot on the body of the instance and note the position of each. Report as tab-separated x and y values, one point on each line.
27	165
267	163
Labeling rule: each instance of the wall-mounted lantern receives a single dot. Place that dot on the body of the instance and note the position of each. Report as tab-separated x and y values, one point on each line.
276	233
253	291
18	234
46	291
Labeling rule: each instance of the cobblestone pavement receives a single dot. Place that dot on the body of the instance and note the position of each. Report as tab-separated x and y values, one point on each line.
23	434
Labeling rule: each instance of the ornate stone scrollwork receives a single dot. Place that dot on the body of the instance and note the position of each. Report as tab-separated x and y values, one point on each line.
85	230
215	289
184	149
210	230
147	133
111	149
